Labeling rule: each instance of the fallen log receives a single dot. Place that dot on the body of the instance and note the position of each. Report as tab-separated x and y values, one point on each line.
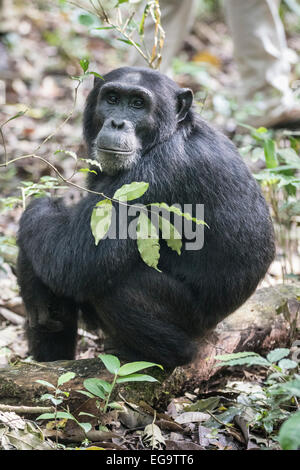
266	321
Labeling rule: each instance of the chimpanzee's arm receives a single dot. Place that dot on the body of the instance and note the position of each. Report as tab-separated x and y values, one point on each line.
59	243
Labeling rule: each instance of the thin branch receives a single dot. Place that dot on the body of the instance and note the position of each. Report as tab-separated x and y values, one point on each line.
70	183
159	35
4	144
27	409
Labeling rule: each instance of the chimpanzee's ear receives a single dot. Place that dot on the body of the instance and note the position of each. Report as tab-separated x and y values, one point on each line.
185	100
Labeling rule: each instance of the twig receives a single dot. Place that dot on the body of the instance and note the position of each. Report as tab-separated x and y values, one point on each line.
4	144
27	409
152	60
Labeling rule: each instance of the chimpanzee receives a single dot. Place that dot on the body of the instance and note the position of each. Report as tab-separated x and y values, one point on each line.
141	126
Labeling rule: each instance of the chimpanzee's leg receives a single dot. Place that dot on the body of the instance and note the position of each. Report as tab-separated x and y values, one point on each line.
51	323
148	317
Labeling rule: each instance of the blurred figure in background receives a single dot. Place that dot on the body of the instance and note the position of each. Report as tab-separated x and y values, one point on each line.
260	51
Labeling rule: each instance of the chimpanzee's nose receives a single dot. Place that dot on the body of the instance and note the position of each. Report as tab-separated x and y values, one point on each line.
117	124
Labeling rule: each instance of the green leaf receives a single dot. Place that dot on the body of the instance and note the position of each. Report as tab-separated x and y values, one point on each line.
64	415
19	114
270	153
170	234
95	387
67	152
91	162
292	387
84	63
131	191
86	19
136	378
261	134
46	396
289	434
65	378
83	413
47	384
261	130
46	416
226	417
177	211
129	42
147	241
115	405
248	361
85	426
242	358
58	415
96	75
111	363
290	156
228	357
56	401
142	23
105	27
204	404
287	364
132	367
79	78
106	386
88	394
87	170
277	354
101	219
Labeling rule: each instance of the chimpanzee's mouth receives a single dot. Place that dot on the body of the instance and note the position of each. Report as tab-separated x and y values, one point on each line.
114	151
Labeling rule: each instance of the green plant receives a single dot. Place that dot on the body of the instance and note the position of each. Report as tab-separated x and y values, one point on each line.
94	388
29	189
280	181
98	388
120	18
56	399
274	403
289	435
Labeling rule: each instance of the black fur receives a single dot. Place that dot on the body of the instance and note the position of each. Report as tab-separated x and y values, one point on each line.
148	315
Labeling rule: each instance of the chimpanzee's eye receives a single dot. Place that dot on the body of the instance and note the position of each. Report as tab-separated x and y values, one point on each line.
137	102
112	98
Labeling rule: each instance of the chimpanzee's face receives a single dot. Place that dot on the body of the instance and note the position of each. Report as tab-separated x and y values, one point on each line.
134	110
125	112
